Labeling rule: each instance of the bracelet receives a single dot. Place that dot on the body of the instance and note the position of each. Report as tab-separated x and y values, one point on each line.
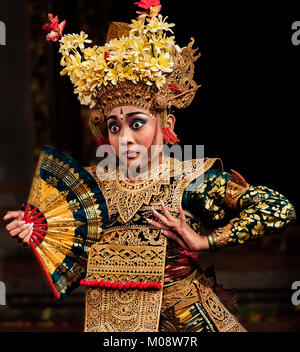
219	238
211	242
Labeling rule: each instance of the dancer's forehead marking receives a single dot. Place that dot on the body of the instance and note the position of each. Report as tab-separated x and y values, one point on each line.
130	114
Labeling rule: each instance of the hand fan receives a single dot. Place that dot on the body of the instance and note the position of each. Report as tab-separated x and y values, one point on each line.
69	212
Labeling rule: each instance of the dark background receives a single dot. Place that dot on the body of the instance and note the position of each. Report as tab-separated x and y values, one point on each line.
246	113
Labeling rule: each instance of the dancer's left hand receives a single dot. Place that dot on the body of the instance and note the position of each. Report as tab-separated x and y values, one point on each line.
178	230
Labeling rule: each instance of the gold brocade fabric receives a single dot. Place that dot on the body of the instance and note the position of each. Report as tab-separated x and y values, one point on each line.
131	249
126	198
130	310
198	287
221	317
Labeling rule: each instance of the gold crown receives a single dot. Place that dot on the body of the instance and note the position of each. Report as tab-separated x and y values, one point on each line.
138	66
179	89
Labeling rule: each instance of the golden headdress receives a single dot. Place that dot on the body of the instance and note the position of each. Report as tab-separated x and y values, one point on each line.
139	65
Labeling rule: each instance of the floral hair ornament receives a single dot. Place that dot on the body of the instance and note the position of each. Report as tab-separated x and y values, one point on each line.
139	65
153	7
55	29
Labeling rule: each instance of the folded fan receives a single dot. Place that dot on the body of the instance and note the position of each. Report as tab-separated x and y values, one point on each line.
69	212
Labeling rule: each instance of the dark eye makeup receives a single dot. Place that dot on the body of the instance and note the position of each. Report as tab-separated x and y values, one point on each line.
134	123
113	127
137	123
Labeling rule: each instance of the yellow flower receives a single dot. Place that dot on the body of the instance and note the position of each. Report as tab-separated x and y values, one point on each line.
90	53
161	43
137	26
139	47
145	55
70	41
156	24
113	75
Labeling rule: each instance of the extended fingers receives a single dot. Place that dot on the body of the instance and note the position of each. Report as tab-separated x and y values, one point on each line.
166	211
162	218
157	224
174	237
167	218
182	215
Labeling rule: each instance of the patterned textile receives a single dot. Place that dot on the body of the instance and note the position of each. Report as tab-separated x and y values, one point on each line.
258	211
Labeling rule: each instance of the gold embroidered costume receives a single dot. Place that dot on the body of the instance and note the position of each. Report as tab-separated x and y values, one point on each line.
189	300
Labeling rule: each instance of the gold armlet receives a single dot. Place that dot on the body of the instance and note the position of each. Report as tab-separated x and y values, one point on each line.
219	238
236	187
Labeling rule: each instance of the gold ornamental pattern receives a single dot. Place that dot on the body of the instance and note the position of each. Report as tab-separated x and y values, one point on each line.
129	252
116	311
221	317
181	294
129	310
127	198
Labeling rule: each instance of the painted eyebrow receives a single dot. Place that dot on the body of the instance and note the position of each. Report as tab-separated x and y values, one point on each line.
114	117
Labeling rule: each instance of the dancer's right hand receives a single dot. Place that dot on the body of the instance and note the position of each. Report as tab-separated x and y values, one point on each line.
17	228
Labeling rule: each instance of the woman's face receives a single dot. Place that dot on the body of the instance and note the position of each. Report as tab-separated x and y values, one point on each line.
131	132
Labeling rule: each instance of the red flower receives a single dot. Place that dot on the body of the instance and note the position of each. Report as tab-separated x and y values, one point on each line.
55	28
52	26
147	4
153	7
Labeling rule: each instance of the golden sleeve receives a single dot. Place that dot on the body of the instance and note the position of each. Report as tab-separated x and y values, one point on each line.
237	211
